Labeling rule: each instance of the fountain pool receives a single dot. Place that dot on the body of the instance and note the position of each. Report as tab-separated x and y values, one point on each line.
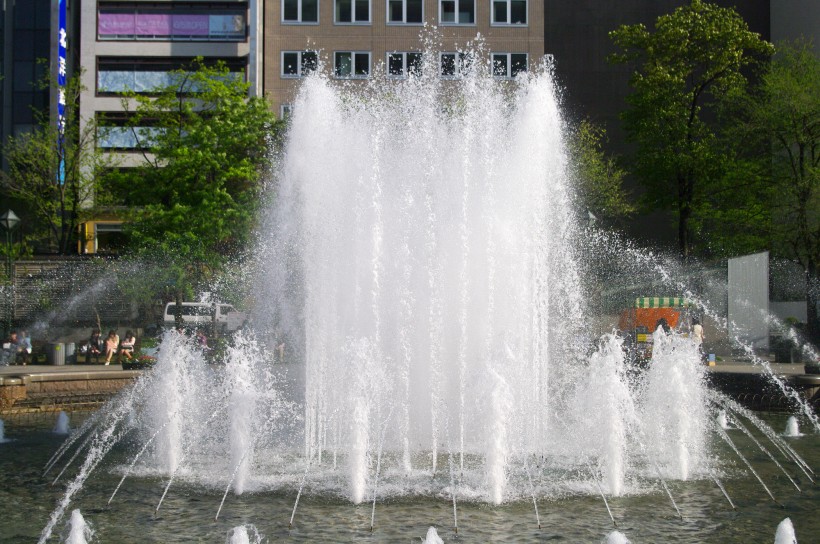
187	515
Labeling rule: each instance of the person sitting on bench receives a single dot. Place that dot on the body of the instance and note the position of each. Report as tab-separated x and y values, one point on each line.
95	347
127	345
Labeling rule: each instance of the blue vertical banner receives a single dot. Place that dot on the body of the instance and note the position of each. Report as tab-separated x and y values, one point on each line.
62	46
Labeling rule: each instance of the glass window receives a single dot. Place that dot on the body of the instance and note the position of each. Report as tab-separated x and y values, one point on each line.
300	11
403	64
405	11
298	63
509	12
145	75
452	65
457	12
177	21
352	11
351	64
509	65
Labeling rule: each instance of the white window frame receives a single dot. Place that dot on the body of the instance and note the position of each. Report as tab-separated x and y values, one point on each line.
404	69
299	64
299	21
404	14
456	22
336	20
353	55
509	14
509	64
285	111
459	63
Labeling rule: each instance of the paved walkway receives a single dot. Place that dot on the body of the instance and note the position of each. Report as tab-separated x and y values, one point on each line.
18	370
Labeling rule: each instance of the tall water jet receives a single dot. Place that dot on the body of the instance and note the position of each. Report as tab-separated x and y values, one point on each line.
242	409
606	409
675	406
471	285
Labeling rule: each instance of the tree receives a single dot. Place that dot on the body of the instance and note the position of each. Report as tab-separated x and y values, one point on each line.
600	179
695	56
33	174
785	114
206	145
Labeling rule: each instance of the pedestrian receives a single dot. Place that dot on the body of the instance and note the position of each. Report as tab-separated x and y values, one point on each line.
23	348
697	335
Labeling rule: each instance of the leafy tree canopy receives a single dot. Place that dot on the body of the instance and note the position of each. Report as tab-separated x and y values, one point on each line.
57	203
694	57
599	178
206	146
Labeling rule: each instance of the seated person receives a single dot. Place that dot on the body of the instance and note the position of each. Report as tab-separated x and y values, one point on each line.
95	346
127	346
8	352
111	345
23	348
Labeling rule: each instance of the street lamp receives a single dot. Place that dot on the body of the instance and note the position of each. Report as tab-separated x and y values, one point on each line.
9	220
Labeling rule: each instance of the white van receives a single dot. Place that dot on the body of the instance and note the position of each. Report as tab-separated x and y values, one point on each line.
199	313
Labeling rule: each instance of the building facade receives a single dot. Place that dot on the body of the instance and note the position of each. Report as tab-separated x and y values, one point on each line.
133	46
356	39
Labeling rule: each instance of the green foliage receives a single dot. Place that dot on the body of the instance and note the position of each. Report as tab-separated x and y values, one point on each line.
787	115
695	57
599	178
33	166
206	147
783	114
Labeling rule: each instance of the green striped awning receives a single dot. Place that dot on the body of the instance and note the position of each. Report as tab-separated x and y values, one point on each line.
662	302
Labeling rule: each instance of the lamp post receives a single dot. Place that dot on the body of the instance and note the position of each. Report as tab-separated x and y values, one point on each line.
9	220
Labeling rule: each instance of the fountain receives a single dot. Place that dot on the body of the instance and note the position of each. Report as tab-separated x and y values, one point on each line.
785	533
792	428
61	427
423	266
79	532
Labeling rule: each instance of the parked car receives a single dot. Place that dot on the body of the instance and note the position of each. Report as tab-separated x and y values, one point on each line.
228	318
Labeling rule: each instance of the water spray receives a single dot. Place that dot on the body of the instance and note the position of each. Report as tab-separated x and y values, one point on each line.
728	440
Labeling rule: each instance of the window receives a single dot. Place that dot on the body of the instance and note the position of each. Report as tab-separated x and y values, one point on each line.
113	132
351	64
352	11
405	11
457	12
509	65
452	65
509	12
403	64
145	75
298	63
300	11
168	21
285	110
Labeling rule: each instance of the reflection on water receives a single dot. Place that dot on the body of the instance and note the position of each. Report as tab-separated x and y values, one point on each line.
187	514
